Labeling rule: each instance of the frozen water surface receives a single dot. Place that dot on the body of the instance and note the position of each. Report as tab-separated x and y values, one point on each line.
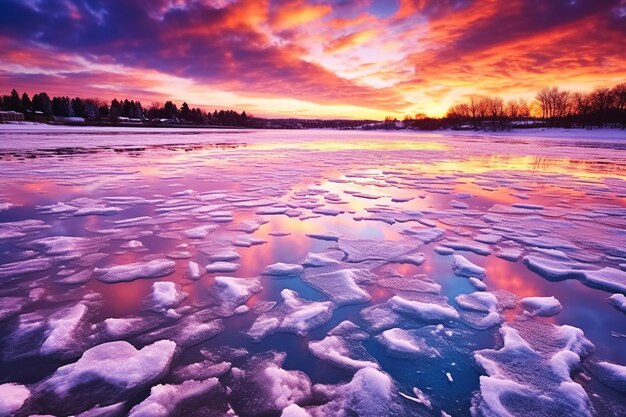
178	272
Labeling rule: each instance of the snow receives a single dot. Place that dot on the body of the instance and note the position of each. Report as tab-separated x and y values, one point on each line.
511	382
165	295
200	370
62	325
401	202
611	374
370	393
223	254
25	267
341	286
478	284
359	250
403	343
618	301
332	236
607	278
12	397
541	306
237	290
133	244
480	301
60	245
427	312
97	211
321	259
193	270
425	235
283	269
342	347
221	266
510	254
484	309
200	232
462	267
188	330
477	248
248	226
101	364
293	315
262	387
130	272
121	327
163	399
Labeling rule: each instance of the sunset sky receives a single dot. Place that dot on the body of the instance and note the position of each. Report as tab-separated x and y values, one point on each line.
344	59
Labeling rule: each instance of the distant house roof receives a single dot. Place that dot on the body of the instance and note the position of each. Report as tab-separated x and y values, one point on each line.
11	116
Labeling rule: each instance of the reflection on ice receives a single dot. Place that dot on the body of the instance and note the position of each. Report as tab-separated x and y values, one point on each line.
324	273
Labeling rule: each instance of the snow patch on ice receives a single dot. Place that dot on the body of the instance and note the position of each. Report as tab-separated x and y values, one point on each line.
541	306
130	272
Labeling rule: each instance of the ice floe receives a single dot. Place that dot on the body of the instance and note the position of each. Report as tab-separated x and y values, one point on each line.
130	272
293	315
99	369
541	306
332	236
221	266
165	295
370	393
342	347
341	286
462	267
611	374
607	278
428	312
360	250
283	269
618	301
61	327
164	399
403	343
236	291
512	385
261	386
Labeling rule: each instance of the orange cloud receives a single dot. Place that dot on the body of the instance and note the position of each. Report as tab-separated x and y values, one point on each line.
295	13
307	58
348	41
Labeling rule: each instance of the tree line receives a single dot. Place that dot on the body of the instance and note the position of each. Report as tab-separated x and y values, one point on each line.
42	107
551	107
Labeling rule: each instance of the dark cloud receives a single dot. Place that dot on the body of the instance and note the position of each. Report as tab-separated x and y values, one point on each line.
254	47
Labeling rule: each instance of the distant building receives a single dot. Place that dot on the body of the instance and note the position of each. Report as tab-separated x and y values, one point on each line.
11	116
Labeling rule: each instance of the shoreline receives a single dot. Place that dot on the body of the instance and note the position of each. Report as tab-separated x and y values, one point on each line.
543	132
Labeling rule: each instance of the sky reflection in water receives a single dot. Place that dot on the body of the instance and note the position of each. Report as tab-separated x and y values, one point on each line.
431	171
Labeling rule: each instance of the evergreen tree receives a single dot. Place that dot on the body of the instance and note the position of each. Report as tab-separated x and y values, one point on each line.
114	113
90	109
78	107
41	102
116	107
170	111
185	112
26	103
126	107
136	111
13	102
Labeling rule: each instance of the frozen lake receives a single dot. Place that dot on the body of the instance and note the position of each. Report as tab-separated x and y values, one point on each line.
188	272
